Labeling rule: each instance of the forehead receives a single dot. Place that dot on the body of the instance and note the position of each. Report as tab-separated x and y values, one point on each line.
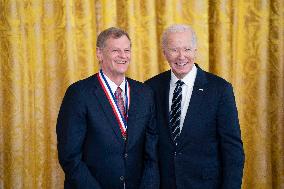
179	38
121	42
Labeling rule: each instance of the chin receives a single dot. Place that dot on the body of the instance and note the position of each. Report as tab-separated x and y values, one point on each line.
181	73
122	68
121	71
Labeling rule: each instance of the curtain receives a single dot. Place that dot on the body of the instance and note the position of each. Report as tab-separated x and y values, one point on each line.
45	45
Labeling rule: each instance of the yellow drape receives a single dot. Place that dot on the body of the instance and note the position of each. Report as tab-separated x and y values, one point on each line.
45	45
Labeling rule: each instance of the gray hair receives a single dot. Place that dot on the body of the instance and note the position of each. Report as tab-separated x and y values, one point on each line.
178	28
112	32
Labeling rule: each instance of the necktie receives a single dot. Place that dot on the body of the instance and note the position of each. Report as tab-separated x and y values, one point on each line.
120	101
176	111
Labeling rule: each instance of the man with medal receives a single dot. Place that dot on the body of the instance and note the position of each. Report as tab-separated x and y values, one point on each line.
106	127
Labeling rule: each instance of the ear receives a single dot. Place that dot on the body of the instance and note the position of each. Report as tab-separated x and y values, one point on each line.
99	54
164	52
195	52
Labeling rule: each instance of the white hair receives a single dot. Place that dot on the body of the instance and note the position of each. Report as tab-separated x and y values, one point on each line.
178	28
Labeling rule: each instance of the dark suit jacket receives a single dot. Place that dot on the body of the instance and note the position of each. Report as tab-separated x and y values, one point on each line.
91	149
209	154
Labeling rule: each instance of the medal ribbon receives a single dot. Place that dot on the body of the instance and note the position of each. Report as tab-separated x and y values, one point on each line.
122	121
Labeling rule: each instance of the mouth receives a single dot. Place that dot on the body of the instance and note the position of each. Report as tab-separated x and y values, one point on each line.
121	61
181	64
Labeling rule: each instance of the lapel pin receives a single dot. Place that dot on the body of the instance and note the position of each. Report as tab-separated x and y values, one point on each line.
200	89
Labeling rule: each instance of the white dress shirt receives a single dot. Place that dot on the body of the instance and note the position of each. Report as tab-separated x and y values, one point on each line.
187	88
113	87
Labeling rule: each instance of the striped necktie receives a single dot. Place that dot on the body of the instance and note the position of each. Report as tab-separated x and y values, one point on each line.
176	111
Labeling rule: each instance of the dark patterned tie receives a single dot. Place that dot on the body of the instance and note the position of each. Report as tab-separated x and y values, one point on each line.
120	101
176	111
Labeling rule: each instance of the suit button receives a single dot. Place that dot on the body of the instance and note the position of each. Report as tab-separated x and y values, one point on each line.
125	155
121	178
175	153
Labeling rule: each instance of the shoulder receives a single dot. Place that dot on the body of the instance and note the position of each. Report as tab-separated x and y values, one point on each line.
159	79
140	89
138	86
216	84
211	79
82	86
217	80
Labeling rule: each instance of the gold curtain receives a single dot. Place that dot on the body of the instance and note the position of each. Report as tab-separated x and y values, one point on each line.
45	45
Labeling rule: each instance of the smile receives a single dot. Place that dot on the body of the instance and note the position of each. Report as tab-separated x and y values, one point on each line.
180	63
121	62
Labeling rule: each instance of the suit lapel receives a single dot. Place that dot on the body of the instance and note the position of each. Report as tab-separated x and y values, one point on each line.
198	92
165	101
107	109
162	99
132	112
165	90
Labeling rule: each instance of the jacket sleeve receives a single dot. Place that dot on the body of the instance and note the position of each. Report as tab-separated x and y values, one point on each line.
230	140
151	178
71	129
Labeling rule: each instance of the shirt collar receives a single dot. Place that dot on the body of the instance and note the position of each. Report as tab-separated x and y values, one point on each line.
188	79
113	86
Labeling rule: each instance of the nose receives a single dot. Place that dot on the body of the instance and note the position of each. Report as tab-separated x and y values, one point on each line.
122	54
181	54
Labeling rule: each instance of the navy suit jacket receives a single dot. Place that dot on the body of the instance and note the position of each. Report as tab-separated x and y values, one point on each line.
91	149
209	153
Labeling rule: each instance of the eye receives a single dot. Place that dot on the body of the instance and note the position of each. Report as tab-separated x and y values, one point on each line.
173	50
187	49
127	51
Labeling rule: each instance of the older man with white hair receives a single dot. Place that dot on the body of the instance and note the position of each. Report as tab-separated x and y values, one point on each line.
200	144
